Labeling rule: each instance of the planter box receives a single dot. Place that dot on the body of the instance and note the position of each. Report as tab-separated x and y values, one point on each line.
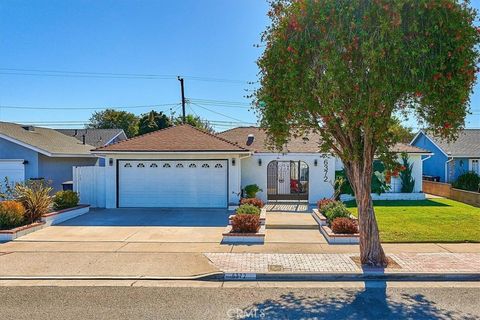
229	237
339	238
389	196
8	235
320	218
57	217
330	236
263	216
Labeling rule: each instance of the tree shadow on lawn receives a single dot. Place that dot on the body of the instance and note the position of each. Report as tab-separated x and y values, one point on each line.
373	302
401	203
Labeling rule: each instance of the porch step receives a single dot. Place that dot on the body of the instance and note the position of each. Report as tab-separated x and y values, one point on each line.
290	221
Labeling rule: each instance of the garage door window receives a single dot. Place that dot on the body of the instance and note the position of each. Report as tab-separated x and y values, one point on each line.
192	165
218	165
179	165
127	165
167	165
153	165
205	165
140	165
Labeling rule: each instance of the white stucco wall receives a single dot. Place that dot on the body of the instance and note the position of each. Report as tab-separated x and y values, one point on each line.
321	177
234	172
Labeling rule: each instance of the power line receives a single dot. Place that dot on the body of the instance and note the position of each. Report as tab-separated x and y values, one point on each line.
114	75
87	108
219	113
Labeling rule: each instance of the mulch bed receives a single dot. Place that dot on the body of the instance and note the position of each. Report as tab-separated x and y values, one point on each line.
391	264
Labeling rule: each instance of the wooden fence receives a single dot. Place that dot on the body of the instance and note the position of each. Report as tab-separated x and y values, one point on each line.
446	190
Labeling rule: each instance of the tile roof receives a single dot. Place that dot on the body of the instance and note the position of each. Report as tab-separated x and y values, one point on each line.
94	137
466	145
307	144
182	138
47	140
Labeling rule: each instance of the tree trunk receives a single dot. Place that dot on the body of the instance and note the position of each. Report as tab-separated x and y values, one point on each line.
371	251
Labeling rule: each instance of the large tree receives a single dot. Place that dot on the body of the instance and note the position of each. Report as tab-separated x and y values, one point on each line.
114	119
344	68
153	121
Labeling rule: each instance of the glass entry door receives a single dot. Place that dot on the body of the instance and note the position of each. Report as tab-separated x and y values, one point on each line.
287	180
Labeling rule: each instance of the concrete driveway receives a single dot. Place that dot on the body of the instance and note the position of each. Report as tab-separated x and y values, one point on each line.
139	225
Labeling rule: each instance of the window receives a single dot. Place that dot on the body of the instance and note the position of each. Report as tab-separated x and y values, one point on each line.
192	165
127	165
205	165
153	165
166	165
218	165
475	165
179	165
140	165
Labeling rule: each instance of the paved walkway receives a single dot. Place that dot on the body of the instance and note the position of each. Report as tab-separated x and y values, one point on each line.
343	263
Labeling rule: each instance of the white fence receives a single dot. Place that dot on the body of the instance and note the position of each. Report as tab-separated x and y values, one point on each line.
89	182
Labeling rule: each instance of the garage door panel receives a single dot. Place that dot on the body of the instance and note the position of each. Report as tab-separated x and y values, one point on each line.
165	183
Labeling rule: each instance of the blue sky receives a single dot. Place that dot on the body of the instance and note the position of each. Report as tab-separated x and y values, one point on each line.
206	39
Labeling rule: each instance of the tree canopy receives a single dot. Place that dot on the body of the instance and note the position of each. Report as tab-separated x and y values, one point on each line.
115	119
153	121
345	68
195	121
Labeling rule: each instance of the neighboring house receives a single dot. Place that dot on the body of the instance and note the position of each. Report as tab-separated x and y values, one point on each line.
450	159
96	137
183	166
28	152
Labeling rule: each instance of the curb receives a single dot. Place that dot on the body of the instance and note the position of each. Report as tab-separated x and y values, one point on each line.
321	277
371	276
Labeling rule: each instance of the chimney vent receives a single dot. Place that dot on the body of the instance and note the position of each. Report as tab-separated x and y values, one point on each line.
250	139
28	128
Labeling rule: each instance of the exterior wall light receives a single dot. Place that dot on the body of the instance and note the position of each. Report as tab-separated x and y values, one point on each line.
315	162
260	162
233	162
110	162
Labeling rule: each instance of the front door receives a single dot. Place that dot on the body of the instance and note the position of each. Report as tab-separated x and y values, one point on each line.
287	180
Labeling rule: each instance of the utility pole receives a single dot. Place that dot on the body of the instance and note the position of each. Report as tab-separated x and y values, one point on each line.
183	98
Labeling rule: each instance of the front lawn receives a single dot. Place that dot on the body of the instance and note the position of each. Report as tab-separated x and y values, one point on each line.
433	220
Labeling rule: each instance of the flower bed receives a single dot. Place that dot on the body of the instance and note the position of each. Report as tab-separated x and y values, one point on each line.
326	228
263	216
59	216
247	225
232	237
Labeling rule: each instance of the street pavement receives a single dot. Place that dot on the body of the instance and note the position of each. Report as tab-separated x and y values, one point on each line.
333	301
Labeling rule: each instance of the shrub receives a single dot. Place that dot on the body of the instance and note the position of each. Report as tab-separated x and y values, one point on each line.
344	225
321	204
245	223
65	199
468	181
251	190
253	201
248	209
35	197
336	210
12	214
408	183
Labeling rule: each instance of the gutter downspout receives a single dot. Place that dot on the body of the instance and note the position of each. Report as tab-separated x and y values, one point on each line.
446	169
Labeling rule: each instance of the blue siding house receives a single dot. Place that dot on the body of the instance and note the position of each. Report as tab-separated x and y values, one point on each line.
450	159
28	152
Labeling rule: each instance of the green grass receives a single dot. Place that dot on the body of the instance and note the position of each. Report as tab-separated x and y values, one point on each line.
433	220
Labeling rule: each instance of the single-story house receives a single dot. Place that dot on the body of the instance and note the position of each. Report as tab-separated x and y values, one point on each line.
450	159
28	152
182	166
96	137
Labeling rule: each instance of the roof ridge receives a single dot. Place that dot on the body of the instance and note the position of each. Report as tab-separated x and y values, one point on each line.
215	136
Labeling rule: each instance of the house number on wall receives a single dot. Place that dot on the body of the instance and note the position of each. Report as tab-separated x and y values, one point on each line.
325	170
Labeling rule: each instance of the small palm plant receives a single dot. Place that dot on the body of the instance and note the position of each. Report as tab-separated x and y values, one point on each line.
35	197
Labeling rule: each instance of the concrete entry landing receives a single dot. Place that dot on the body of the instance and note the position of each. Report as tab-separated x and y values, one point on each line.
290	221
288	207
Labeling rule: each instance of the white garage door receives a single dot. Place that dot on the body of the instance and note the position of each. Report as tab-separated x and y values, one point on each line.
167	183
14	170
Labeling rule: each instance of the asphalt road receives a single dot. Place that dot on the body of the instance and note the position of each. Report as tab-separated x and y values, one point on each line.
232	303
